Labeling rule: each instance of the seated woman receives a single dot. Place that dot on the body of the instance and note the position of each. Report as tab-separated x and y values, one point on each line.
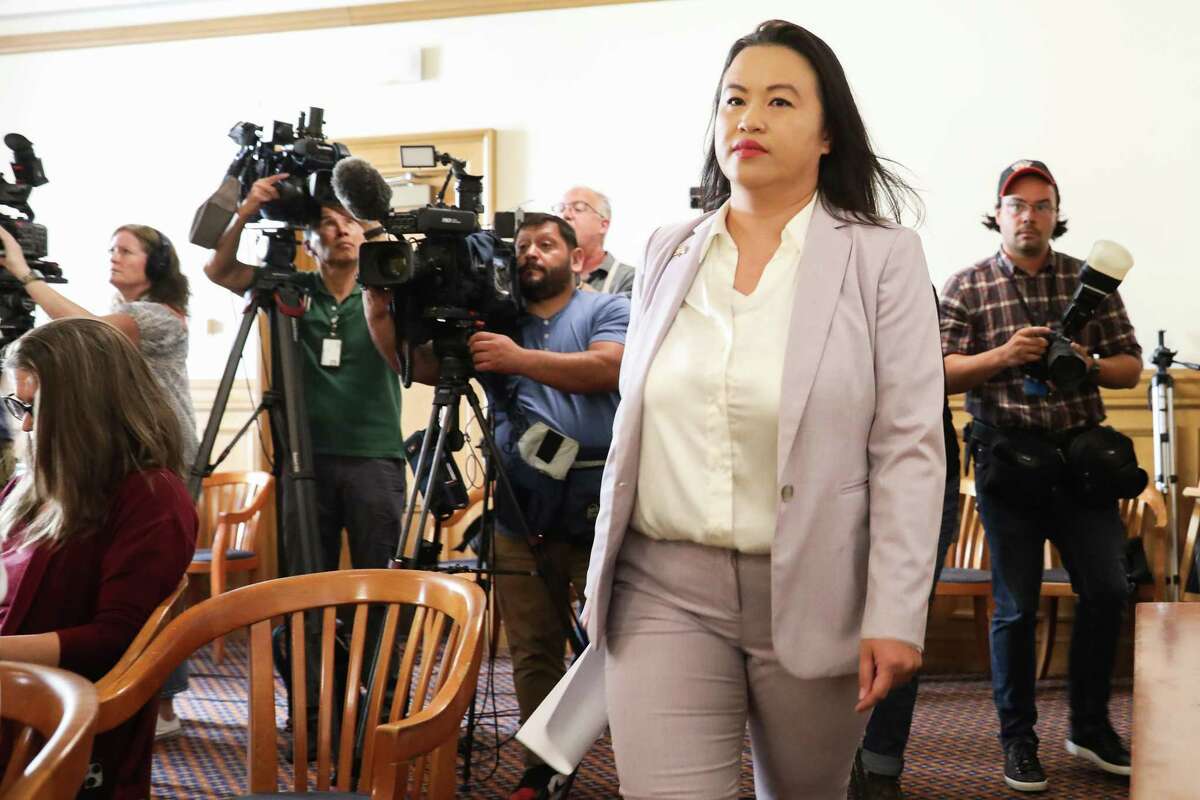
100	527
151	309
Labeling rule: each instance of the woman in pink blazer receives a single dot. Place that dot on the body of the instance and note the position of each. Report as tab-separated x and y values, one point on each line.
770	505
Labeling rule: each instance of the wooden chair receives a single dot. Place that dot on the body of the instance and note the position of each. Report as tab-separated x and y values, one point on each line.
1187	561
1144	516
411	754
161	615
52	716
967	571
230	509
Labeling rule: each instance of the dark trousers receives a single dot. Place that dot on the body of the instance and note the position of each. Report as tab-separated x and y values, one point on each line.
1091	541
536	639
891	720
365	496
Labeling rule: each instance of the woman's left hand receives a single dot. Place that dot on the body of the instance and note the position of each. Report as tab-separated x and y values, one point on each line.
883	664
13	259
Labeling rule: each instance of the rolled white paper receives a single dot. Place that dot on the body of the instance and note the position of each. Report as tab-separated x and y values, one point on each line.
572	717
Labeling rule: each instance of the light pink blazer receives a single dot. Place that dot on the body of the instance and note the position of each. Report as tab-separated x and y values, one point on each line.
862	464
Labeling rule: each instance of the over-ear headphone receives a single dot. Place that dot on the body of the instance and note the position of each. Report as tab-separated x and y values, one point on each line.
159	258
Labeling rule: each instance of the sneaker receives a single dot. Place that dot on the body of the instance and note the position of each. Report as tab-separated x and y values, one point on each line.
533	783
1022	770
1101	747
867	785
167	728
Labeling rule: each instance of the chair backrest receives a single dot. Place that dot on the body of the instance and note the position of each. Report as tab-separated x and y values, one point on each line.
438	663
52	716
233	500
1188	559
1143	516
969	550
158	619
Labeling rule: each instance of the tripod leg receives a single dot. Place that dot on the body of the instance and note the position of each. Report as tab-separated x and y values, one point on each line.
298	460
434	458
400	561
200	466
560	597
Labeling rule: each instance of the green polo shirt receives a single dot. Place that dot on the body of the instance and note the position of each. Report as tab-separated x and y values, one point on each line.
353	408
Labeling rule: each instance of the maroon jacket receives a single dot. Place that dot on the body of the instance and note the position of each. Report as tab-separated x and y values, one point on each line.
97	591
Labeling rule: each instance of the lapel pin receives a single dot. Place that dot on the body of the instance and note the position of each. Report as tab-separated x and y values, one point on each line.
681	250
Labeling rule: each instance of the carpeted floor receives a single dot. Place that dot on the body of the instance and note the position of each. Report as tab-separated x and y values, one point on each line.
953	753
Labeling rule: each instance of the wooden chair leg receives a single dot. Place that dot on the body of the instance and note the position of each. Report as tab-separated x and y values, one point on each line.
217	581
983	633
443	776
1050	630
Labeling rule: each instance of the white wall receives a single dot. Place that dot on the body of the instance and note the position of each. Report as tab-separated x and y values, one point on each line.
1107	93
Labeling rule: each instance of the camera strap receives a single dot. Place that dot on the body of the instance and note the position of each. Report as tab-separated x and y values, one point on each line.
1012	279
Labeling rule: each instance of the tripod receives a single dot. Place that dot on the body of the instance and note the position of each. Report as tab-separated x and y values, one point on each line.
443	437
1162	404
275	292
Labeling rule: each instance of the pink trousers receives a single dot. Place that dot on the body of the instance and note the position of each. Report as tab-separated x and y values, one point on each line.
690	662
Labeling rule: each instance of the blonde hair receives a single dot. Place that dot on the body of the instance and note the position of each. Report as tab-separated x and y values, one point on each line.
99	416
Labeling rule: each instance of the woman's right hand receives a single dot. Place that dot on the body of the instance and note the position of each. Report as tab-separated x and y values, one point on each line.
13	259
263	191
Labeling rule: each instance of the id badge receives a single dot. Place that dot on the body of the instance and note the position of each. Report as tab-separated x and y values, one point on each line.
331	352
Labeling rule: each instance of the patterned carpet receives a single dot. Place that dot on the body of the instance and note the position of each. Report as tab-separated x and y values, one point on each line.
953	753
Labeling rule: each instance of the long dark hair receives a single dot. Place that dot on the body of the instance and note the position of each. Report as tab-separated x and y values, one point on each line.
170	287
853	181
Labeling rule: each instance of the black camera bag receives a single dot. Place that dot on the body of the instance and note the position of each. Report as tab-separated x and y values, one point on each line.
1016	465
1102	466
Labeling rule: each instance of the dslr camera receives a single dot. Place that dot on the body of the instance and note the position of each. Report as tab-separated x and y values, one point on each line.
446	273
1105	268
16	217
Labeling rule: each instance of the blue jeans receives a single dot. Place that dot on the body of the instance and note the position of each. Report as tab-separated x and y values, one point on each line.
177	682
1091	541
891	720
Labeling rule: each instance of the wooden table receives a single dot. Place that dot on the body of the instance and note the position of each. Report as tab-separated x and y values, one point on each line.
1166	702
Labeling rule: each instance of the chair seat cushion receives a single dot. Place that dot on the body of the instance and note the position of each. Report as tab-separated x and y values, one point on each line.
204	554
965	575
1056	575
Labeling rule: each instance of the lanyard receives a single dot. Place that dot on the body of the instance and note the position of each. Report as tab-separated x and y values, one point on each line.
1021	298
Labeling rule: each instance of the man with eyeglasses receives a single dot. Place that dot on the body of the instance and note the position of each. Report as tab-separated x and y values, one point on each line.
995	319
590	214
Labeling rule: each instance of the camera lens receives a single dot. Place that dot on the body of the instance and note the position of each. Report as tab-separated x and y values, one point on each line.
1066	368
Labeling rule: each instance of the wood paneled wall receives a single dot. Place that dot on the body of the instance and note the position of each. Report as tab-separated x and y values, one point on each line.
950	637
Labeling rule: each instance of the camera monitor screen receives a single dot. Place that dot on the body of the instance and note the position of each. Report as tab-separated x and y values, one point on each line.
417	156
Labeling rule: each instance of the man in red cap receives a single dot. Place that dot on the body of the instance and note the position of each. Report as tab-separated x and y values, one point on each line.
997	317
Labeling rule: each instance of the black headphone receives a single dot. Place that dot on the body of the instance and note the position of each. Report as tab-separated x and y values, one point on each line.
158	260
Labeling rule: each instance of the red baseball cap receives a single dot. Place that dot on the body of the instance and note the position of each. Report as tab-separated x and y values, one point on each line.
1024	167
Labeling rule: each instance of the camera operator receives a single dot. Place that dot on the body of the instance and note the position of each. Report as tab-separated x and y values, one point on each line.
151	310
996	319
353	398
590	214
357	451
558	376
100	528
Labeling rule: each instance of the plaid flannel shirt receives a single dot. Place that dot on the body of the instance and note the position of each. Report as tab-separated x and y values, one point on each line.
981	310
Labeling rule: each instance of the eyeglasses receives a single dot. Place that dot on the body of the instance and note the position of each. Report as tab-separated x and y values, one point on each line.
578	206
1016	206
17	407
